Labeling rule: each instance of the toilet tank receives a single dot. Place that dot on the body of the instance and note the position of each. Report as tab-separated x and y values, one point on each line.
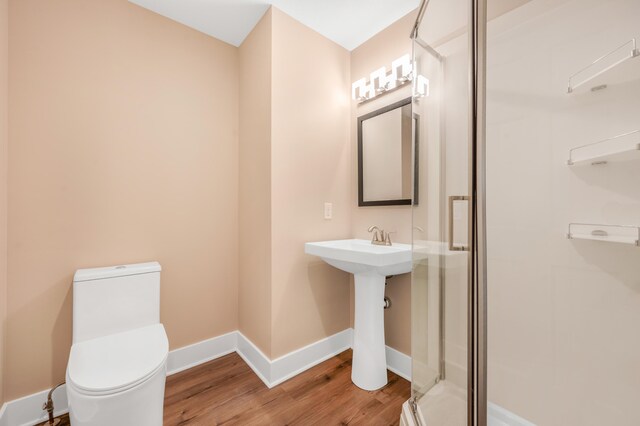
115	299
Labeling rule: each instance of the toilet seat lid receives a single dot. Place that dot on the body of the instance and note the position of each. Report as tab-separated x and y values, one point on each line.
117	361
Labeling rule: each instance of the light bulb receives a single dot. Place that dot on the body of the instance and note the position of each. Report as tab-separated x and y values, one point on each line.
422	85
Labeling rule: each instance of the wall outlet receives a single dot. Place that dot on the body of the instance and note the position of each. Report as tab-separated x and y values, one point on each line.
328	210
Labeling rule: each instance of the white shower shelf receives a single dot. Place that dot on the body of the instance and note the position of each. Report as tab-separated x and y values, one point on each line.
608	69
623	147
622	234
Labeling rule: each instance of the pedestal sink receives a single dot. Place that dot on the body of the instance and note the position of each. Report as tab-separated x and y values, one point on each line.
370	264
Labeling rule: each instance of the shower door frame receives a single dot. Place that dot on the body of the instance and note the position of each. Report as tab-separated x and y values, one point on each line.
477	259
477	282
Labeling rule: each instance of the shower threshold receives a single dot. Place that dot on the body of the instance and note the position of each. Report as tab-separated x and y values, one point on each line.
446	405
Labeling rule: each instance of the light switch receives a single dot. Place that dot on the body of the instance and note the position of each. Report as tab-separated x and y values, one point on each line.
328	210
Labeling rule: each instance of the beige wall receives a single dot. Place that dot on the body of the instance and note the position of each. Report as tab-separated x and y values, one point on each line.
381	50
255	186
311	163
123	144
305	149
145	140
294	156
4	135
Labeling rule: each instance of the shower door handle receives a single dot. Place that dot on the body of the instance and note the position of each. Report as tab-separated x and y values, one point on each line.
452	246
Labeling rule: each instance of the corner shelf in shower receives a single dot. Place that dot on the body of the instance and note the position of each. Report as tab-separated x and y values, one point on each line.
623	147
622	234
609	68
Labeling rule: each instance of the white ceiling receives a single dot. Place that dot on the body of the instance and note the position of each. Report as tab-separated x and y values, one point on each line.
347	22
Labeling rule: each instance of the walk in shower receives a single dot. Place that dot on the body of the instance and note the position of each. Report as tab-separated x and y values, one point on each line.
526	284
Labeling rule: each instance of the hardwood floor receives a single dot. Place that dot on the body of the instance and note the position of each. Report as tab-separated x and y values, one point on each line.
226	391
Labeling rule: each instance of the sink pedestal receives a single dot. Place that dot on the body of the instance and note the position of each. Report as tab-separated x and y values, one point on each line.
370	264
369	366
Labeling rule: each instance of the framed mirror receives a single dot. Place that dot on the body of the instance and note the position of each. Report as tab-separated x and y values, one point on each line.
386	140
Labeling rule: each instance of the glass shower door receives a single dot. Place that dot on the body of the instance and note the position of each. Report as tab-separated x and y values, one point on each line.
427	277
562	95
441	219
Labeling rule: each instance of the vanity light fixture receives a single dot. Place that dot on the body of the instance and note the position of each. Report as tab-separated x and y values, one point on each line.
381	81
378	80
422	86
401	69
360	89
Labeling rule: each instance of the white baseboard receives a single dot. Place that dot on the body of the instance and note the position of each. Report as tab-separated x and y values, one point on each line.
198	353
3	420
255	358
294	363
399	363
274	372
27	411
287	366
499	416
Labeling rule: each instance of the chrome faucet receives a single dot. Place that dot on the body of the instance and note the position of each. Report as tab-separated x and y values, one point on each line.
379	239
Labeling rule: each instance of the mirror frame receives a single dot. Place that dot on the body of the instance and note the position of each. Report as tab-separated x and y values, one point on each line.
399	202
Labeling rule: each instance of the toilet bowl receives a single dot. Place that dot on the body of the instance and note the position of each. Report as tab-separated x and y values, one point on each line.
117	365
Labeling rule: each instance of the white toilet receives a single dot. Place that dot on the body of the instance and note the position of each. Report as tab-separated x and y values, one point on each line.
118	361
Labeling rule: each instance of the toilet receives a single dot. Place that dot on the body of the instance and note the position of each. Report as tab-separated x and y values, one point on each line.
118	361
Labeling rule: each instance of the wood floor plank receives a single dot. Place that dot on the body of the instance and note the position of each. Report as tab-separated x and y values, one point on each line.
227	392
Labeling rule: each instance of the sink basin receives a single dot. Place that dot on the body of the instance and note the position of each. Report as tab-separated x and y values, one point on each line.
370	264
357	256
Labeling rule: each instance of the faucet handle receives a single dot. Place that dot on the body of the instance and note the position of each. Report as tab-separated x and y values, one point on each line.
387	239
374	238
